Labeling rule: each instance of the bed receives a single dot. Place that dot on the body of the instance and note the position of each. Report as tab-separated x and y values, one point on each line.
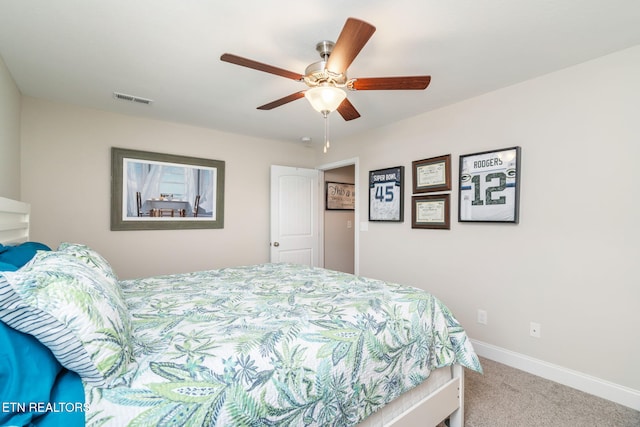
259	345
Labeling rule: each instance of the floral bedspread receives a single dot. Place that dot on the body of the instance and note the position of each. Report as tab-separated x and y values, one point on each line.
275	344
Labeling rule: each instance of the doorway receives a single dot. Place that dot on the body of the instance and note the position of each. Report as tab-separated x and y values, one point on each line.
339	235
346	233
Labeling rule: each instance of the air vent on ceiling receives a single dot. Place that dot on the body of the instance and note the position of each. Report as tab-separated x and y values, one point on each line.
131	98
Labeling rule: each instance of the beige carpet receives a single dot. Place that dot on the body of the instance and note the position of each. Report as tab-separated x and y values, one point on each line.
508	397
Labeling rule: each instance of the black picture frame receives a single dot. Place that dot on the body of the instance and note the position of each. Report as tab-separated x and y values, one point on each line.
386	194
131	211
489	186
340	196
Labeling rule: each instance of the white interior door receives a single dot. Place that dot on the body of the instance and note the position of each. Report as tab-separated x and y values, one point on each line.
294	215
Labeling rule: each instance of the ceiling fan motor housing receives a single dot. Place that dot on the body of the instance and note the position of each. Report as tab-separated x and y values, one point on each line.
317	74
324	48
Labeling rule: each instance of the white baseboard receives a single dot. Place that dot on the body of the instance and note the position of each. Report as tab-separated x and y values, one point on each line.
607	390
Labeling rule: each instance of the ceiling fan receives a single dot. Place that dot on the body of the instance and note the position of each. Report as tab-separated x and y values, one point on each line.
327	78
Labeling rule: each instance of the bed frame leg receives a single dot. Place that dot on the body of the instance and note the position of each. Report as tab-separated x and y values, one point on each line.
457	418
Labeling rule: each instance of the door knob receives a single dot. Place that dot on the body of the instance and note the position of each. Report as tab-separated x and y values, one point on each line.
276	244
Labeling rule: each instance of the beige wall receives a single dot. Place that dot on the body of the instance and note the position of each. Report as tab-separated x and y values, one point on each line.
66	178
9	135
570	264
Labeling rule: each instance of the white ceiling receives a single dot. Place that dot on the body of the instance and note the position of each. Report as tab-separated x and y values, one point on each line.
81	51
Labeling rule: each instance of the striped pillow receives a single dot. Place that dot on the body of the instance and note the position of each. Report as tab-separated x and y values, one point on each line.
74	311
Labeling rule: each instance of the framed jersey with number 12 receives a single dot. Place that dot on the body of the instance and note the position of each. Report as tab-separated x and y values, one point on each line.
386	199
489	189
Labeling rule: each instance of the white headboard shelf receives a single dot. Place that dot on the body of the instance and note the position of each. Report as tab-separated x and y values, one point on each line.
14	221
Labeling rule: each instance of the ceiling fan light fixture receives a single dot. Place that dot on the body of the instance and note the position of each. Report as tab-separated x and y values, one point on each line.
325	99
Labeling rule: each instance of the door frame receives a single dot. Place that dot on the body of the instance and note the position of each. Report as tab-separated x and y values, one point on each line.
355	161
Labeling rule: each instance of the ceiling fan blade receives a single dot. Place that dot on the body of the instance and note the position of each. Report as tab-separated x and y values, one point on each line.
391	83
355	34
282	101
244	62
347	110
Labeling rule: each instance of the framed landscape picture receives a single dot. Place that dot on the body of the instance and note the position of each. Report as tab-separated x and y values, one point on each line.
158	191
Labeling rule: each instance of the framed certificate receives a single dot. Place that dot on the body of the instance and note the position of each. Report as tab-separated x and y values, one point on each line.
386	195
430	211
432	174
489	189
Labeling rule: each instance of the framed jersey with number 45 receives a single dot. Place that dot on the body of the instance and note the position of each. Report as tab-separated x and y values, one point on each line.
489	189
386	195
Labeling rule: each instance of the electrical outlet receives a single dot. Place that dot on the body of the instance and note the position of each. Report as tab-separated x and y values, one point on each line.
535	330
482	317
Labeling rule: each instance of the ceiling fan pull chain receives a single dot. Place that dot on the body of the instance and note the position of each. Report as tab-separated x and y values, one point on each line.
326	131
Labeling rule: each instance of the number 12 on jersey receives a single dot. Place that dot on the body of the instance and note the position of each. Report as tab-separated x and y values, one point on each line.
489	186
